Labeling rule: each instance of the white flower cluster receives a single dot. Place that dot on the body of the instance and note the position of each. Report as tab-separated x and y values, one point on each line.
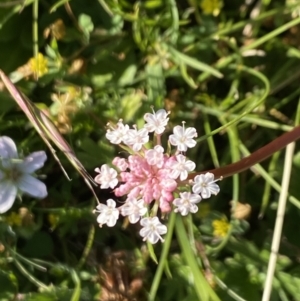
152	176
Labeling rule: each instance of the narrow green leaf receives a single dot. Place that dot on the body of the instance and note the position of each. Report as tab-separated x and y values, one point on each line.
202	288
180	57
76	281
151	252
57	5
189	80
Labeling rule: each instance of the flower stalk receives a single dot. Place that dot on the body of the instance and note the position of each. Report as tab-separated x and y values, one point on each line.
256	157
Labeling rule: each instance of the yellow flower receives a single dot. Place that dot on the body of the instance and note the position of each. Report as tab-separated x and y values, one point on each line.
14	219
221	227
38	65
211	7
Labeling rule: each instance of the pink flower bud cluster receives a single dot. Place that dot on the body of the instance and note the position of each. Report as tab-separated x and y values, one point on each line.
149	181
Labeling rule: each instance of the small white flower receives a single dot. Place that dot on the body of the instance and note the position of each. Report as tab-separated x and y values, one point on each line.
155	156
136	139
16	174
109	214
107	177
116	135
181	167
183	138
156	122
134	209
186	203
205	185
152	229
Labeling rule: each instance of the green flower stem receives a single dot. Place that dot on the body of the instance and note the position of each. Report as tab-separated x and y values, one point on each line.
175	20
230	292
230	98
235	156
87	247
57	5
271	35
77	283
25	260
106	7
251	119
256	157
30	277
195	5
190	232
210	141
163	258
15	10
265	15
254	103
267	190
268	178
35	41
202	288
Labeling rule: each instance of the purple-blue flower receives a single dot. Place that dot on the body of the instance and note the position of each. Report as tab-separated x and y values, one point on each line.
16	175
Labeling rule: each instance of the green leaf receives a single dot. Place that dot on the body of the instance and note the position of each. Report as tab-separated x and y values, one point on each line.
86	25
151	252
128	75
130	104
57	5
246	248
180	58
202	288
155	84
290	283
77	283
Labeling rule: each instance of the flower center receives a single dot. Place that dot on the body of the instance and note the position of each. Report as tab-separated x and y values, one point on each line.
13	174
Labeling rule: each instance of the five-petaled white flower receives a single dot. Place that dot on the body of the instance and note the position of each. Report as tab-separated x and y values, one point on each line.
155	156
134	209
108	213
183	138
156	122
181	167
117	134
186	203
152	229
205	185
16	174
107	177
136	139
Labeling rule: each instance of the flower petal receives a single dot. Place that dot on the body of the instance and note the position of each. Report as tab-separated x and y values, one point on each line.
33	162
8	193
8	148
178	130
190	133
32	186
